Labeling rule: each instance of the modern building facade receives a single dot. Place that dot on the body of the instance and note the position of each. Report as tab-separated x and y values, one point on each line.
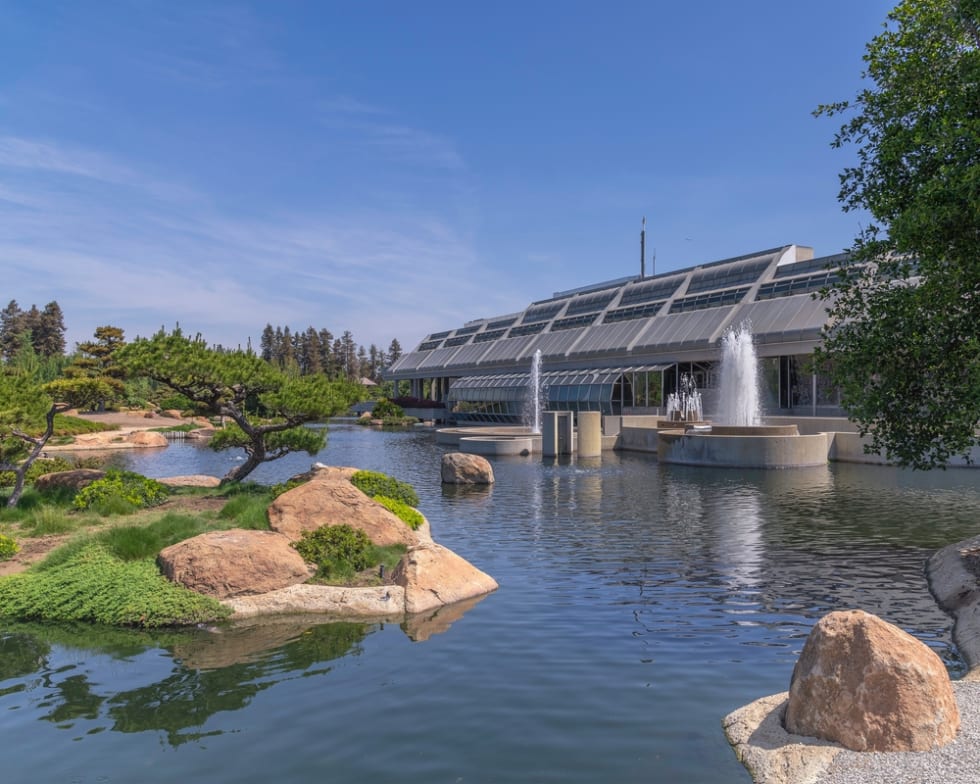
621	346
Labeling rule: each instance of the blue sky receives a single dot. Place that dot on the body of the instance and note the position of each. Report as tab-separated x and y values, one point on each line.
398	168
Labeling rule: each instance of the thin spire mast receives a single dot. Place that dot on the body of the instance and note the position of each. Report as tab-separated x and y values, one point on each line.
643	248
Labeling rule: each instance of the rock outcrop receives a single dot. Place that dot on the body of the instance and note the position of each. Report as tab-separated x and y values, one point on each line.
112	439
259	572
75	479
870	686
329	498
459	468
147	438
433	575
768	751
381	602
954	579
227	564
190	480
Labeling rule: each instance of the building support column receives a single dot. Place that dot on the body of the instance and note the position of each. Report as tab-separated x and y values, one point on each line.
589	434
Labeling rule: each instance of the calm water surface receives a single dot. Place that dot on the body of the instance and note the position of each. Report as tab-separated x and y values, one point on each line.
638	605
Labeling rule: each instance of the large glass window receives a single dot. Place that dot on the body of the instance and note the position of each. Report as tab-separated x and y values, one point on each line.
608	390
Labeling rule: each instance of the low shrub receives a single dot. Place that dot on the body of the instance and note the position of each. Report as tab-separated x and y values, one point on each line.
284	487
385	409
94	586
120	491
338	550
417	402
388	422
8	547
176	402
411	517
374	483
41	466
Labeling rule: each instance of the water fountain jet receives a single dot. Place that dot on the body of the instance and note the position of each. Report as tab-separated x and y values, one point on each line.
739	439
532	404
739	389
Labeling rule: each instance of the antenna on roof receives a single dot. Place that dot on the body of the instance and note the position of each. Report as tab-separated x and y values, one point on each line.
643	251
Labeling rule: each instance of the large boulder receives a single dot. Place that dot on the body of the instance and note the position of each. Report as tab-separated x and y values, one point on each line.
75	479
226	564
433	575
870	686
147	438
330	499
459	468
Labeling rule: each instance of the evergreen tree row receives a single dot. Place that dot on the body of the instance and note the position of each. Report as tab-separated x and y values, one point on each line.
37	337
313	351
44	329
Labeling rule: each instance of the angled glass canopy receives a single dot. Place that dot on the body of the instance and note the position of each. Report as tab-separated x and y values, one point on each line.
503	397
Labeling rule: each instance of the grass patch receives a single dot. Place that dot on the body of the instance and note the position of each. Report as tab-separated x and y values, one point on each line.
94	586
389	556
134	542
47	520
72	426
247	511
187	427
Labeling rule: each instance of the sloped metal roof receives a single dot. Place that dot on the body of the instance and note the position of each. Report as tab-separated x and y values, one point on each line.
679	312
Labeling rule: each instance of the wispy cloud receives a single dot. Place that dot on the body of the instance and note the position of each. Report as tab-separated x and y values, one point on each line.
48	157
415	146
377	129
155	253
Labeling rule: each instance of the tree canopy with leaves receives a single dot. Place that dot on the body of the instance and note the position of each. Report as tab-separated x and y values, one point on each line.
97	359
43	329
26	424
905	345
267	406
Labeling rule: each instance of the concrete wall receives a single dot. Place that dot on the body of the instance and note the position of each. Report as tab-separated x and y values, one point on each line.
849	448
638	439
748	451
810	425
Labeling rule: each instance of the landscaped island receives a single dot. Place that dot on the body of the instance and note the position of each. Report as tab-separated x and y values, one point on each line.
336	541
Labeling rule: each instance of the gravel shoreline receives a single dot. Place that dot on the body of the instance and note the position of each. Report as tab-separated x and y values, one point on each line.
956	763
774	756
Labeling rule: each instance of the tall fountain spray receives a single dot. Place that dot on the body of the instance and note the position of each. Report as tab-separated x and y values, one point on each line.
532	404
739	388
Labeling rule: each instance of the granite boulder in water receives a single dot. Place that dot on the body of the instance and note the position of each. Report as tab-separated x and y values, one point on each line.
459	468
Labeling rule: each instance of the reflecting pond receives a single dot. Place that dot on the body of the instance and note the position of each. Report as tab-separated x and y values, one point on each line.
638	604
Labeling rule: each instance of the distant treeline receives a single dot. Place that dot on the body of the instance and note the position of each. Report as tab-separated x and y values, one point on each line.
37	337
318	351
43	330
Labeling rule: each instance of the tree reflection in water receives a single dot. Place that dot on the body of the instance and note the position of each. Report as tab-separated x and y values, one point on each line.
213	671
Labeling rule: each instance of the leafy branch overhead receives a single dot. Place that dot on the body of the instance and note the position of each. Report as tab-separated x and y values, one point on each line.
905	348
